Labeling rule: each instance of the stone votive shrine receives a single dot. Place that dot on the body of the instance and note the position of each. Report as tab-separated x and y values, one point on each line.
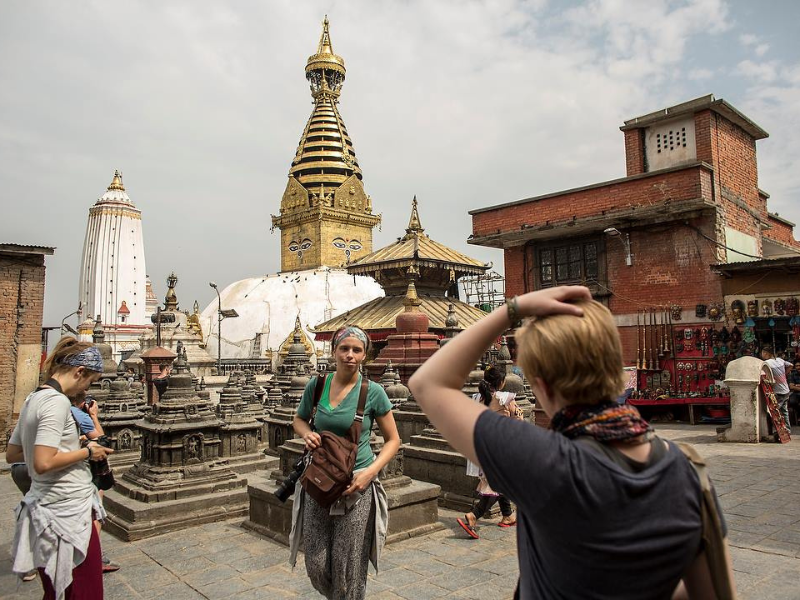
239	432
411	346
123	408
280	419
514	383
182	478
251	396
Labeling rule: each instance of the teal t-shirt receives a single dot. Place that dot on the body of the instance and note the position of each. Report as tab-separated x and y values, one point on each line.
339	419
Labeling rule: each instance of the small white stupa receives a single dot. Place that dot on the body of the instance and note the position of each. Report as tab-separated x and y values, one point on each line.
113	274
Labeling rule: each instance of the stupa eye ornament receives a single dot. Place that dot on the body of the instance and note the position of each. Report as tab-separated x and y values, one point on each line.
347	246
298	248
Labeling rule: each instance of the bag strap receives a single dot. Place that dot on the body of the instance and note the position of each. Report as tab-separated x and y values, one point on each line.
355	429
714	541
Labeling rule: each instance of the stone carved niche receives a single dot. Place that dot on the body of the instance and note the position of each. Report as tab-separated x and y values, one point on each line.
193	448
125	439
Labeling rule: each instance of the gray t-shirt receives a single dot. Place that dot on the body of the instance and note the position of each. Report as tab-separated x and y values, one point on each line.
46	420
589	528
778	367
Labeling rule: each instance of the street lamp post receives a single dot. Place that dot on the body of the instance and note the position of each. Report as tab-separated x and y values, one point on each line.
221	314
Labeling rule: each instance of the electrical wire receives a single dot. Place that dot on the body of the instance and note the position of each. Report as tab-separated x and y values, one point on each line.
720	244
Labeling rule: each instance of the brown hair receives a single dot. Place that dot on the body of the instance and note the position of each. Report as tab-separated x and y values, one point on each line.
67	346
578	357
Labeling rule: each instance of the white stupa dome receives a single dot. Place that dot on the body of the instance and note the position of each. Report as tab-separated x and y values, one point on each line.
268	306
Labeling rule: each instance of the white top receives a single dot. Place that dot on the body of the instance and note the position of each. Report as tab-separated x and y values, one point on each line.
46	420
778	367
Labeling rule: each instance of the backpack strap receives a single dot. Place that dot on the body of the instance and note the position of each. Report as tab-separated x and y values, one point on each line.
714	541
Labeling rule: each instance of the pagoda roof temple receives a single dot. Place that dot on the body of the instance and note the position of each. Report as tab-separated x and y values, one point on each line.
432	266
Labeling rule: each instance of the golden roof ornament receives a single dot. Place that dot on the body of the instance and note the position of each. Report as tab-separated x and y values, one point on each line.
171	299
411	301
414	224
116	183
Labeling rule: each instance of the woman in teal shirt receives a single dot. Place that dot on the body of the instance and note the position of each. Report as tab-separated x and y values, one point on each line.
340	541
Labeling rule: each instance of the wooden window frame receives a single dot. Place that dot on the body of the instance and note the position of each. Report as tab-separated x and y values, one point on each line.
536	251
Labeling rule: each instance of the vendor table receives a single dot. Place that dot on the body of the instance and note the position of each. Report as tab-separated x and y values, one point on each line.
690	402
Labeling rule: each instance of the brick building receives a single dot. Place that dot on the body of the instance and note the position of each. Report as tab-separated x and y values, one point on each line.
660	236
21	306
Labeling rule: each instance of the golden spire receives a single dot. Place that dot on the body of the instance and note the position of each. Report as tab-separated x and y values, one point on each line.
325	46
414	224
411	301
116	183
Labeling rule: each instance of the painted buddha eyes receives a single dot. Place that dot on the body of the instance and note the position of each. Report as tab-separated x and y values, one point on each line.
295	246
346	245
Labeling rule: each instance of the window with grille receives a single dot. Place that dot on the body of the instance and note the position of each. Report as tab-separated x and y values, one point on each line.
568	262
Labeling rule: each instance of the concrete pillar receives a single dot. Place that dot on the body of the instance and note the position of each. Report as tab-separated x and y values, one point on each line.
748	419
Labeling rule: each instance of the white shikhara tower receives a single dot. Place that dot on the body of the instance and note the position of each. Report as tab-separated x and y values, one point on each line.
113	275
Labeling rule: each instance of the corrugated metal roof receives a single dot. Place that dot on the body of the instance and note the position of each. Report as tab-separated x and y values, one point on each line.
381	314
418	246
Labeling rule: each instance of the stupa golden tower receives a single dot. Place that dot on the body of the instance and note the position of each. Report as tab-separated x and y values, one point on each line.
326	216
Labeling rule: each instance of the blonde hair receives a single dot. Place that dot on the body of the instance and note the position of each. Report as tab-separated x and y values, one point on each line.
67	346
578	357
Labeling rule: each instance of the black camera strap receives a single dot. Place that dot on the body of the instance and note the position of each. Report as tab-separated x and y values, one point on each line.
52	383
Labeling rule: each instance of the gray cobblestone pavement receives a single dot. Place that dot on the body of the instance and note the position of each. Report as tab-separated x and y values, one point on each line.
758	487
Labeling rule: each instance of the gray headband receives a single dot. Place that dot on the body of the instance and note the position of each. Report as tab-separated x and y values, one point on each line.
350	331
88	359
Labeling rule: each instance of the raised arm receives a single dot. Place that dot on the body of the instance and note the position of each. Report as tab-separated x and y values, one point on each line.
437	384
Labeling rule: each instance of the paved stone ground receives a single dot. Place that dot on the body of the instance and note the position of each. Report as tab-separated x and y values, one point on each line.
758	487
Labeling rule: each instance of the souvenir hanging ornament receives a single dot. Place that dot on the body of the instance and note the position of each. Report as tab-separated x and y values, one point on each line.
700	311
676	312
752	308
737	310
791	307
716	311
749	334
779	307
766	308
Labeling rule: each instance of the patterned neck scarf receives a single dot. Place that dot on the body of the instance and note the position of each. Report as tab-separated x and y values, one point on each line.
606	421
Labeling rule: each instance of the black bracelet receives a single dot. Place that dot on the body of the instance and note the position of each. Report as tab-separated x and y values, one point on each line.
89	448
513	312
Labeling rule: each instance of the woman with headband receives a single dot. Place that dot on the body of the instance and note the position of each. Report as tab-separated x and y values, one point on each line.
342	540
54	530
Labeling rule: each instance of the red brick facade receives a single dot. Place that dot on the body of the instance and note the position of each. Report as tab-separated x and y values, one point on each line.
22	274
676	219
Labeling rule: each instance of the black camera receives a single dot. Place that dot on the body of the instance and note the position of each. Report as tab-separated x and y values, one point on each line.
286	489
102	476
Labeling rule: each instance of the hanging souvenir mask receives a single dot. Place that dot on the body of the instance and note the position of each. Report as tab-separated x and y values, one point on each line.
687	334
724	335
779	307
715	311
752	308
714	335
791	307
736	335
700	311
676	312
737	310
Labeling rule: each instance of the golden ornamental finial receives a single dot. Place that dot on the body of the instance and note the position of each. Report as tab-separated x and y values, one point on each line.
411	301
325	46
414	224
116	183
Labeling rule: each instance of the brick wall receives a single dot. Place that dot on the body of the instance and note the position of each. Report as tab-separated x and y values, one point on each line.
781	232
21	307
634	152
683	184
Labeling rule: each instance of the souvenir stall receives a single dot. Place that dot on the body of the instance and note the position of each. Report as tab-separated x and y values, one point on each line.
681	365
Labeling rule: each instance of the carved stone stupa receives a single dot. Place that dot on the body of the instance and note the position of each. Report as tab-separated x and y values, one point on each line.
182	478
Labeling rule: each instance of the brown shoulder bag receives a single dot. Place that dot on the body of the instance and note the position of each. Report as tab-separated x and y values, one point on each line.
330	470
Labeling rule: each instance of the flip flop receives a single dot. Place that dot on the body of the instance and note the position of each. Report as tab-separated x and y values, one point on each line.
501	524
470	530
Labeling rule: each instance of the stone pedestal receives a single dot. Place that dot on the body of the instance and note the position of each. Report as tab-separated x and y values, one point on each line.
748	419
181	479
430	458
413	506
410	420
240	433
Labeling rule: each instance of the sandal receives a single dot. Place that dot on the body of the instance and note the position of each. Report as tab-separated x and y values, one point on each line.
509	523
30	575
468	528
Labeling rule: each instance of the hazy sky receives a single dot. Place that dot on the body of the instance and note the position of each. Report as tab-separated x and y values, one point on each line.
463	103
